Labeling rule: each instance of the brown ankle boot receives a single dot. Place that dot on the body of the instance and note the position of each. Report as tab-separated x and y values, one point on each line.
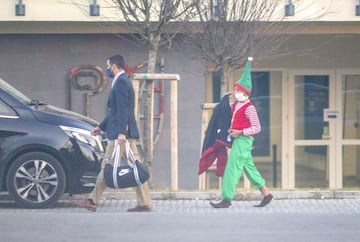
225	203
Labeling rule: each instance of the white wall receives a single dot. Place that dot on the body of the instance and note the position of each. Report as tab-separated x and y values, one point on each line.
78	10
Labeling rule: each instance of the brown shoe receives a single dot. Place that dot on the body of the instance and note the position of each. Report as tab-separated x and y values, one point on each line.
85	203
225	203
138	208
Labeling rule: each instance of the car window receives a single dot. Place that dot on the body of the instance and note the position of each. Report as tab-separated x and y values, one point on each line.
6	111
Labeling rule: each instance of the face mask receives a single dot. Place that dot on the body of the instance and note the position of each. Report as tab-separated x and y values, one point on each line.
241	97
109	73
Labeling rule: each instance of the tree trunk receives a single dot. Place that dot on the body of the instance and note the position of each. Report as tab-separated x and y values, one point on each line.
148	103
225	75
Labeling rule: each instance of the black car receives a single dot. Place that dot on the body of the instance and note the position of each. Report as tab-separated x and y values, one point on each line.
44	151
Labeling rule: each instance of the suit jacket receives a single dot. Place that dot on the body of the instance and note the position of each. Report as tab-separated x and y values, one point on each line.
120	118
216	138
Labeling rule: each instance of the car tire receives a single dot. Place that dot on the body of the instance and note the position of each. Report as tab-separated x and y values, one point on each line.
36	180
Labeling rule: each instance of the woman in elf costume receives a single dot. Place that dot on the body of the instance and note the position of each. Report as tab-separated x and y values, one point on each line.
244	125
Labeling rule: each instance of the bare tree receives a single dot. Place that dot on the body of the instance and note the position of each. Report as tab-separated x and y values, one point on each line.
152	23
232	30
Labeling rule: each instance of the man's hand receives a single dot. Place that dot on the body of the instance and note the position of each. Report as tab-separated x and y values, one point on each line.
95	131
235	133
121	139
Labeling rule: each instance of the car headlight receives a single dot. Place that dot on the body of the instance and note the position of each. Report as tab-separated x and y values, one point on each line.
84	136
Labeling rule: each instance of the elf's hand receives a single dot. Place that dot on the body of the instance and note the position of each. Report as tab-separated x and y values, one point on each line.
235	133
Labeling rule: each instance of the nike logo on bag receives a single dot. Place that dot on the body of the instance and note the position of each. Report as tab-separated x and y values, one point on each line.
124	172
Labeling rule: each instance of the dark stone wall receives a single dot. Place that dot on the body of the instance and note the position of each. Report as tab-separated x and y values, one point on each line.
38	65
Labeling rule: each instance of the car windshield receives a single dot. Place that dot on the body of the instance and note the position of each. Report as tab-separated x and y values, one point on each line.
13	91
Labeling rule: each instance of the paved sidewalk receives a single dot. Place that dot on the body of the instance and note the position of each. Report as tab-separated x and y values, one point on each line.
253	195
197	206
296	220
197	202
298	206
326	216
240	195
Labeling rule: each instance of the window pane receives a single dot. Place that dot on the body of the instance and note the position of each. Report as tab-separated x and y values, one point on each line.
351	166
5	110
351	106
311	168
311	98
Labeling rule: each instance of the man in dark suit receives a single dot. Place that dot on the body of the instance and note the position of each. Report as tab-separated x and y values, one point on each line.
119	126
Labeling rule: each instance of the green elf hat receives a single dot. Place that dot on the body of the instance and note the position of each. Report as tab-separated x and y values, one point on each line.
244	83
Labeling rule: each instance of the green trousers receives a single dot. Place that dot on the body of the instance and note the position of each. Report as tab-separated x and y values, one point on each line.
240	158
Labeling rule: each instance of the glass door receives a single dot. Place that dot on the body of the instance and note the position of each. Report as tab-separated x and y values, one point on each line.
312	117
349	127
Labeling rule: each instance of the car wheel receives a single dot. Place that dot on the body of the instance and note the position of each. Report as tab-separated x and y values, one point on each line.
36	180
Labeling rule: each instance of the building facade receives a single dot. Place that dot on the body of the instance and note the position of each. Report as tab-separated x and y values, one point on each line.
309	101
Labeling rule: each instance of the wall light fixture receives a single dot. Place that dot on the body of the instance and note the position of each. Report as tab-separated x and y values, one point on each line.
94	9
290	9
20	9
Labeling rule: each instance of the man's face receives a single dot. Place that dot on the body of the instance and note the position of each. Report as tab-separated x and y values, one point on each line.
109	71
108	64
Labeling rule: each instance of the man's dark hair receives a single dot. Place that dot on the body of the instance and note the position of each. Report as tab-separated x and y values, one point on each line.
118	60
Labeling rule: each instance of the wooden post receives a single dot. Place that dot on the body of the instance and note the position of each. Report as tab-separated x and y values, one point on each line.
136	85
207	109
174	135
173	78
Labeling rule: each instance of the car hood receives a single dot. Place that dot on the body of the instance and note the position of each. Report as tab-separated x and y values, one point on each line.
59	116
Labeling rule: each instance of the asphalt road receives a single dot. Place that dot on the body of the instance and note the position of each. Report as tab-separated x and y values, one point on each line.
185	220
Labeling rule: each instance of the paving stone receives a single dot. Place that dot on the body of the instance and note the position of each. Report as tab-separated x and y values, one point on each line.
310	202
